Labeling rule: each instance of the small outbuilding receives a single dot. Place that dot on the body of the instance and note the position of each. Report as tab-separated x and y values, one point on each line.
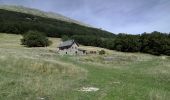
70	47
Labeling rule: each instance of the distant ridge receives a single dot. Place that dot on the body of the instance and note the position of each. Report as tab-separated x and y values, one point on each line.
40	13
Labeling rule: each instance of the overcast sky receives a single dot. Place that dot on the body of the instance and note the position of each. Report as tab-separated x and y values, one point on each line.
117	16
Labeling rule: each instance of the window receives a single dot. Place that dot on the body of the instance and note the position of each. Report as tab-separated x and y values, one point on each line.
66	52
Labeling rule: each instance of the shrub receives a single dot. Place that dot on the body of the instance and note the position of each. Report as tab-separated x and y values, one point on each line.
35	39
102	52
65	38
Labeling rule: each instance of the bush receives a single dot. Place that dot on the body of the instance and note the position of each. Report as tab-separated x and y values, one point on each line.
35	39
102	52
65	38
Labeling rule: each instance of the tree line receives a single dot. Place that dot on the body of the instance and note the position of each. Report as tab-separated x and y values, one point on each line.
155	43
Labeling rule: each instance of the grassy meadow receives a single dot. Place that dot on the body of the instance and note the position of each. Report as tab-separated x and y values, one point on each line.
42	74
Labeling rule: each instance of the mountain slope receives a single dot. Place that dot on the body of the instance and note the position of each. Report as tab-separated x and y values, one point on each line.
17	23
40	13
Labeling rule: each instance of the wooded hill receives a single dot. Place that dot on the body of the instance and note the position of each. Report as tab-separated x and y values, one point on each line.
19	23
40	13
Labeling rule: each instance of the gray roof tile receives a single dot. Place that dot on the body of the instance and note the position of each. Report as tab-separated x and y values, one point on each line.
66	43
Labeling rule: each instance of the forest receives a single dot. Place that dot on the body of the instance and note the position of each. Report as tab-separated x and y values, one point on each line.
155	43
19	23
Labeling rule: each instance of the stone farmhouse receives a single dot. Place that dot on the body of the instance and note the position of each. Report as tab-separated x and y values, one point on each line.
70	47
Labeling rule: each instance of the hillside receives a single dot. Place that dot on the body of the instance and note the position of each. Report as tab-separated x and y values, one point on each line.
19	21
42	74
40	13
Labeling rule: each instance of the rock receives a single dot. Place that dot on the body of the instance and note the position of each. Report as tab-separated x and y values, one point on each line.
89	89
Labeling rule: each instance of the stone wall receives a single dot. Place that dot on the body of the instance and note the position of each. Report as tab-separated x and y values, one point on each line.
73	50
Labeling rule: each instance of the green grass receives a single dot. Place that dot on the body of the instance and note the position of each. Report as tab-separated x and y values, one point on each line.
35	73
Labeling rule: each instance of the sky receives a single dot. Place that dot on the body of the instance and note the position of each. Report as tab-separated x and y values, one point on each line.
116	16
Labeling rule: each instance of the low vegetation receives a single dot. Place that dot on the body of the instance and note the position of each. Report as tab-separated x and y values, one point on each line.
40	73
102	52
35	39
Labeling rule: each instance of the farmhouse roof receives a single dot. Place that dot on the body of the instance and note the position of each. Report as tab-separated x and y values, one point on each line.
67	43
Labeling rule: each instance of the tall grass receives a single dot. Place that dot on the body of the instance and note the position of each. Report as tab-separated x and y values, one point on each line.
40	73
23	78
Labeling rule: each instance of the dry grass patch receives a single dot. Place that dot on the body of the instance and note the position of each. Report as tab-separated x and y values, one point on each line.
37	77
10	41
158	95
